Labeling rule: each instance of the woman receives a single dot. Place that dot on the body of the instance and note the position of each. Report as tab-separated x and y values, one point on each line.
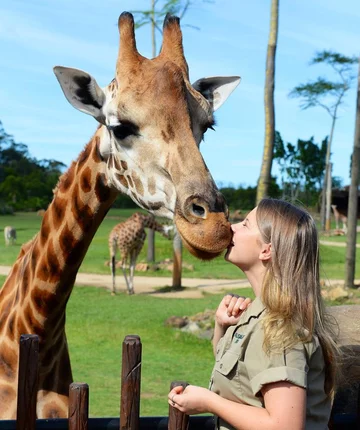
275	360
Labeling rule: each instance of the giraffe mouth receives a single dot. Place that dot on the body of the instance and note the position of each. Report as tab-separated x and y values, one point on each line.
207	238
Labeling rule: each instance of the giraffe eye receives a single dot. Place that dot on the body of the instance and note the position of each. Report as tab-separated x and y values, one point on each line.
124	130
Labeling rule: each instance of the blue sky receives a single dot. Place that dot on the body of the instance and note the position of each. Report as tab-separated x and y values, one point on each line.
36	35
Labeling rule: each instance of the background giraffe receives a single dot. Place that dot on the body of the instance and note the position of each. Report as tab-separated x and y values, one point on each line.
151	123
10	235
128	237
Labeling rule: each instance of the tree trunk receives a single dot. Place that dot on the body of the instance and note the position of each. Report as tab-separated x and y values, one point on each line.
265	173
353	198
153	35
325	209
328	198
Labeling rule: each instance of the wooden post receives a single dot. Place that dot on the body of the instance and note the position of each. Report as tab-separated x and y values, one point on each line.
177	420
151	246
177	257
130	383
28	382
78	406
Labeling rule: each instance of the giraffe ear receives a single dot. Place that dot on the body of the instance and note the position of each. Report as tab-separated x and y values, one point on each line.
217	88
81	90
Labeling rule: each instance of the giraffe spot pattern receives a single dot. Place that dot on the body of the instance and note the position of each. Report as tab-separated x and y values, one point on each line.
81	212
122	180
123	164
8	363
102	192
138	184
130	181
58	209
45	229
67	241
49	269
151	186
85	180
43	300
67	179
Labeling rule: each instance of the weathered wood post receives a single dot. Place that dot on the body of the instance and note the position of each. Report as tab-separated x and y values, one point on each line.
28	382
177	420
130	383
177	257
78	406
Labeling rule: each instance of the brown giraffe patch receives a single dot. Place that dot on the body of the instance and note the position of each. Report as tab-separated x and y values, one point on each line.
81	212
49	269
165	136
8	363
43	300
151	186
33	322
85	180
102	191
138	184
45	229
58	212
67	179
67	240
11	327
123	164
130	181
123	181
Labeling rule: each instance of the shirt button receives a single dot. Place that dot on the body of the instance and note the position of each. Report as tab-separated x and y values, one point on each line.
221	366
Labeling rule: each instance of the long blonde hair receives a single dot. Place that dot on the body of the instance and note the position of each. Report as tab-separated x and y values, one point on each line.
291	292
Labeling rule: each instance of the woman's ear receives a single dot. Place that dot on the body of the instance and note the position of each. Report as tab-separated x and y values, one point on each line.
265	253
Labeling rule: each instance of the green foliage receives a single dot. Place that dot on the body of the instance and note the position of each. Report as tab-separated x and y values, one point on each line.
301	168
25	183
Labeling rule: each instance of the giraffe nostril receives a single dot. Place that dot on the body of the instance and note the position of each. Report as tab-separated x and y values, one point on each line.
198	211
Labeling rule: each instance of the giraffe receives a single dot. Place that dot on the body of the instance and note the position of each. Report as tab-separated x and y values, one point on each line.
129	237
151	121
10	235
339	217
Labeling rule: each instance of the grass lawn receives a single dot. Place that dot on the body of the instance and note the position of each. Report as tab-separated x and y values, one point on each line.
28	224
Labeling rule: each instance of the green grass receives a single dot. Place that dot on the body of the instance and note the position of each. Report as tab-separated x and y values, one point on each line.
28	224
97	324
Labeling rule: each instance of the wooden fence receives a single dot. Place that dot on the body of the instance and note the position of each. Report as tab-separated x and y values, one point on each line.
129	402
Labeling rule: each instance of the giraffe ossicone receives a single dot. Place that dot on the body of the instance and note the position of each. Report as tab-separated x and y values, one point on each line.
151	121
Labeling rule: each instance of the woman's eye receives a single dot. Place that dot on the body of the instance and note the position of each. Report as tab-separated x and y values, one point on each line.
124	130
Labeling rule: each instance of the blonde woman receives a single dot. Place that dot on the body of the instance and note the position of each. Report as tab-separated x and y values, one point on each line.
275	360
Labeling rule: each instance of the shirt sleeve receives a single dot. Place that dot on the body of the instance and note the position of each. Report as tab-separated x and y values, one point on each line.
290	365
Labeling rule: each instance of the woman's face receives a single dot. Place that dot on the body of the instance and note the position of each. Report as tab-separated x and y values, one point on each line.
245	248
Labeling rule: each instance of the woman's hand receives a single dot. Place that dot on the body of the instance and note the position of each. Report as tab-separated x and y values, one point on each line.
230	309
191	400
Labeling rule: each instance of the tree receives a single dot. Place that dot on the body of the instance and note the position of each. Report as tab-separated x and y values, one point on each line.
329	96
353	198
301	168
155	16
265	173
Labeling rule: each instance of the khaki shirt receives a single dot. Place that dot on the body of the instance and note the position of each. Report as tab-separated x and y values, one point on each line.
242	368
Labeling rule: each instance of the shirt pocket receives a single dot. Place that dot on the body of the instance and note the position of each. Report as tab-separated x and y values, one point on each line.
232	377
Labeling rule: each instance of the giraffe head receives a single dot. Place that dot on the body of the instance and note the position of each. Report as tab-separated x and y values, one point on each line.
152	121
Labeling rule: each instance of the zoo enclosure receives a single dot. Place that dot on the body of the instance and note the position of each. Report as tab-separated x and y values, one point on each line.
129	402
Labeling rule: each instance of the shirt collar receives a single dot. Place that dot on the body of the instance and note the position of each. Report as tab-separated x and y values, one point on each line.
253	311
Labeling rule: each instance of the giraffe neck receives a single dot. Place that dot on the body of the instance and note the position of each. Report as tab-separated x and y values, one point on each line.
150	222
46	268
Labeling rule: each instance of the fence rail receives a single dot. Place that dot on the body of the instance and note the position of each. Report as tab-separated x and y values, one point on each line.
129	402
